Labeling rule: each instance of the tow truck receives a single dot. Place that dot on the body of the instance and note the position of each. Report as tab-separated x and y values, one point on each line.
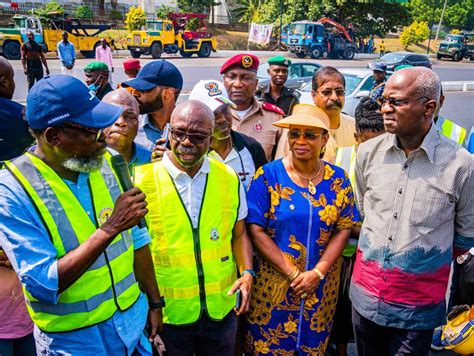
324	37
170	36
84	37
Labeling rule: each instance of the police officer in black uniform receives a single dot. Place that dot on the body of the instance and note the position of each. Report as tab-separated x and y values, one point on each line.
380	77
275	92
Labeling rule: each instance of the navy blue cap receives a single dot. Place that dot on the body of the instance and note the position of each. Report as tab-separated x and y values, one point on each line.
380	67
62	98
156	73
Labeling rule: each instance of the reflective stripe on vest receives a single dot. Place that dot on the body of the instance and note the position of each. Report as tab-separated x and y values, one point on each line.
194	267
345	158
451	130
109	283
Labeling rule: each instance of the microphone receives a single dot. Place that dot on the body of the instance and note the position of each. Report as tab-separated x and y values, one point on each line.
121	170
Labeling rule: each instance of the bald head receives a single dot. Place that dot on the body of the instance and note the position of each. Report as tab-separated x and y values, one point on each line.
426	83
193	109
123	98
121	134
192	123
7	84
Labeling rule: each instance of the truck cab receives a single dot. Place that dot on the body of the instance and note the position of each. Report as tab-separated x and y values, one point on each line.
456	47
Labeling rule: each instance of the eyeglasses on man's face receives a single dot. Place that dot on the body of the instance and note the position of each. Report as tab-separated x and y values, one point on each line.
397	102
195	138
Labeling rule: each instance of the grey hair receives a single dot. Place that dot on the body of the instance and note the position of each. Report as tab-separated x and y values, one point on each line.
427	83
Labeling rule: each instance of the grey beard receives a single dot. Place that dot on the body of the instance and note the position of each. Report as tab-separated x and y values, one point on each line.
83	164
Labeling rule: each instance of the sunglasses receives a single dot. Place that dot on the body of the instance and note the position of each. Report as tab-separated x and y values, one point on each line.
397	102
308	135
71	125
195	138
328	92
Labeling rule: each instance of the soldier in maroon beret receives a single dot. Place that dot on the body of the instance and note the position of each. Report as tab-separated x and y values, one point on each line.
251	117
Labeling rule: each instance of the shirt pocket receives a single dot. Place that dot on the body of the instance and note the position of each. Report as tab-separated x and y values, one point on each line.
267	138
431	209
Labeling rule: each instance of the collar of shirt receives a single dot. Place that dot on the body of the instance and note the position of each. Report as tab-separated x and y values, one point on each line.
255	107
175	172
148	123
284	92
428	145
233	154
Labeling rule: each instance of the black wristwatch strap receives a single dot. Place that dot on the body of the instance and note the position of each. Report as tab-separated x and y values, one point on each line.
157	305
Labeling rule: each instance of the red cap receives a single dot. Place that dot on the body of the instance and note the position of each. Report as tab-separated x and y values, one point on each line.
244	61
131	63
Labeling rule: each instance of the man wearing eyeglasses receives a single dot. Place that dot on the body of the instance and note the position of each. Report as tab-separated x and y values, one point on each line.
196	217
156	88
70	233
329	95
414	187
120	136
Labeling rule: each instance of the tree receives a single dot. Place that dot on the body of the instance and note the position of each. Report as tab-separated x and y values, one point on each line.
163	11
416	33
135	19
83	12
458	13
44	13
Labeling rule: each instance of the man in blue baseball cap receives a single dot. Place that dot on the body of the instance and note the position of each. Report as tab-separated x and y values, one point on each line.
380	76
66	226
156	88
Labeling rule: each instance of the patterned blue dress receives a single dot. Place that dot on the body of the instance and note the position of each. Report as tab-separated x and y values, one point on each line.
301	224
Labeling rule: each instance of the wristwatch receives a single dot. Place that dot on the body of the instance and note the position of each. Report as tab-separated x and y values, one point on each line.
251	272
157	305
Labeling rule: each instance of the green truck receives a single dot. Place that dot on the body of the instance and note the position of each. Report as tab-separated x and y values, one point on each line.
456	47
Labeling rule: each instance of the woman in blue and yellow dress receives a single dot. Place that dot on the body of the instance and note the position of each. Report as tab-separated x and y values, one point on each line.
301	210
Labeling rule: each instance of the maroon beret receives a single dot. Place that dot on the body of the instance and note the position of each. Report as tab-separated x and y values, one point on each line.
244	61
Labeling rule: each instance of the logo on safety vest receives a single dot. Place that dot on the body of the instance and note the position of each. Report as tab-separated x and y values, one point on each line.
104	215
214	234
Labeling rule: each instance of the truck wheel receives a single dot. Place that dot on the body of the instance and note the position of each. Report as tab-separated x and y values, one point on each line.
439	56
156	50
457	57
11	50
185	54
88	54
205	50
349	53
300	54
135	54
316	53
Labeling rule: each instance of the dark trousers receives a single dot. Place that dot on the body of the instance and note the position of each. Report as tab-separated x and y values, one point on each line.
23	346
206	337
33	76
375	340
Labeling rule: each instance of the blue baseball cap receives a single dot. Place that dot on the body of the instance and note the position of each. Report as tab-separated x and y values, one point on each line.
62	98
376	66
156	73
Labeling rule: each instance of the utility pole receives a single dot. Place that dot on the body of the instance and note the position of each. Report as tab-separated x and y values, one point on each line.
441	19
281	24
431	27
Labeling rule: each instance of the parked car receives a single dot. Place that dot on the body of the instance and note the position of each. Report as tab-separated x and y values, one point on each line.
299	74
359	82
394	59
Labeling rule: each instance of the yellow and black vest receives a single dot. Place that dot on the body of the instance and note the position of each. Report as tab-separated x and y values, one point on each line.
194	267
109	283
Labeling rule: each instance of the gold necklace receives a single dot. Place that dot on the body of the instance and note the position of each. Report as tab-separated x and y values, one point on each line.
311	186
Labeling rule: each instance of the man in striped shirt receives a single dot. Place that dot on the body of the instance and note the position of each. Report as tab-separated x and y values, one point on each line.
415	189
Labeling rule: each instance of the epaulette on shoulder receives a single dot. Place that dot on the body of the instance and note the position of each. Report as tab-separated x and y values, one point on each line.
273	108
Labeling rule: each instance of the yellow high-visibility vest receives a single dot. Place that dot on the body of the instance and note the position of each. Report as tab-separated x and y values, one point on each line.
109	283
194	267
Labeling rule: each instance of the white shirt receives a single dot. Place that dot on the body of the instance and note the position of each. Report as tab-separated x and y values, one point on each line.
242	113
241	162
191	190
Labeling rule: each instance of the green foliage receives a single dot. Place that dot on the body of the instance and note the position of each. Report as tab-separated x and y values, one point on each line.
458	14
192	24
83	12
135	19
162	12
196	5
116	14
249	11
416	33
48	11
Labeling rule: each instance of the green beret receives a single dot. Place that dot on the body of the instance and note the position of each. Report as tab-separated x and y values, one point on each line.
95	66
279	61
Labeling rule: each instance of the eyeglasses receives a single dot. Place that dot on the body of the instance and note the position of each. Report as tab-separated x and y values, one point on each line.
396	102
195	138
71	125
308	135
328	92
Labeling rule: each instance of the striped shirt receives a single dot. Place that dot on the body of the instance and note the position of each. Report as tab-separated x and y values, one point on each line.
417	209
